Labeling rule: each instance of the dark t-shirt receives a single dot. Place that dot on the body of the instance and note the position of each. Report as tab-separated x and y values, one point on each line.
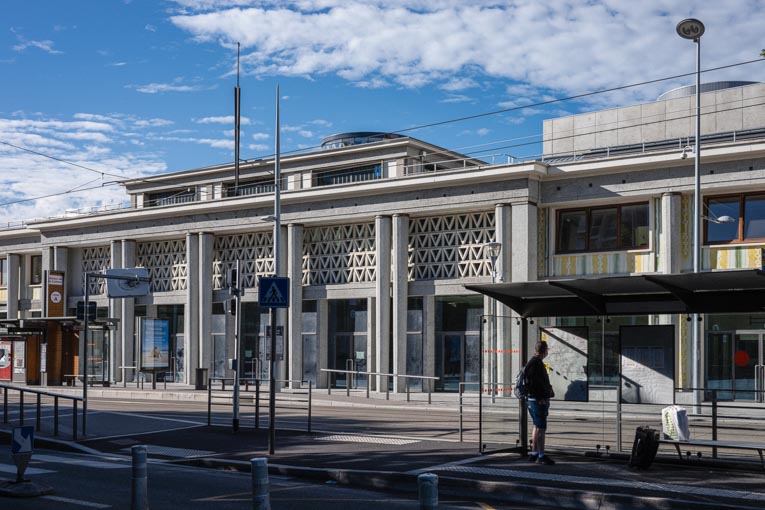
539	381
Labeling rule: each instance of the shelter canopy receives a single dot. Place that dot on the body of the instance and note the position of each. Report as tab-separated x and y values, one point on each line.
708	292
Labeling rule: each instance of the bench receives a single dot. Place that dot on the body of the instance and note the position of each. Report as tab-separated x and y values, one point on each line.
739	445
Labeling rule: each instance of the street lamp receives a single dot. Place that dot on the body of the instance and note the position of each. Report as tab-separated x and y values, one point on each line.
693	29
492	253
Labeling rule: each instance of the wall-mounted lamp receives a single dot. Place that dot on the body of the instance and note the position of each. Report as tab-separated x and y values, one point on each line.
721	219
686	150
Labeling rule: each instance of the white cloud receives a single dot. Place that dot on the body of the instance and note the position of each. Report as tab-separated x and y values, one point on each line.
457	98
225	119
118	64
46	45
260	136
150	28
258	147
562	46
154	88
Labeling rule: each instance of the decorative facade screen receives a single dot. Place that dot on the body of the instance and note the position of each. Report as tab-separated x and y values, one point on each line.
450	246
166	262
339	254
96	259
255	251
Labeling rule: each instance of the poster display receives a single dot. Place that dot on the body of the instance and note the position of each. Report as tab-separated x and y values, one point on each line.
155	344
567	361
647	364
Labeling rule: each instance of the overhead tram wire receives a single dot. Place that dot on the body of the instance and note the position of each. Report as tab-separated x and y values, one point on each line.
476	154
413	128
532	105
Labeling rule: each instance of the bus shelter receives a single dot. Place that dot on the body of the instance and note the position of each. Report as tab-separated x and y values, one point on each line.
717	292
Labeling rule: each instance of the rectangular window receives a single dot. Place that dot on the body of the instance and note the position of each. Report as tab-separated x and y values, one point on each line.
35	273
349	175
734	218
609	228
3	272
183	196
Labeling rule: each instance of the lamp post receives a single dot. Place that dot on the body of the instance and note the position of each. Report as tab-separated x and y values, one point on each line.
693	29
492	253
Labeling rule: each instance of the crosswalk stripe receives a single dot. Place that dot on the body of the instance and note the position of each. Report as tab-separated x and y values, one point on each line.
79	502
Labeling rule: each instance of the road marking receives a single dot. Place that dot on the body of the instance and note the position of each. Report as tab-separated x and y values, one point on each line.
447	465
8	468
81	462
79	502
484	506
168	451
141	433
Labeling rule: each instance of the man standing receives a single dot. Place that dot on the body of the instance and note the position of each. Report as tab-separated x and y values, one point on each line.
538	401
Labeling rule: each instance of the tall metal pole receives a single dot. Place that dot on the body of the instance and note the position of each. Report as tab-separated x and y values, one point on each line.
693	29
277	270
237	340
697	231
237	124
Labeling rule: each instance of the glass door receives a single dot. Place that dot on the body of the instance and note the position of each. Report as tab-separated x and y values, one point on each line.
342	358
747	359
719	363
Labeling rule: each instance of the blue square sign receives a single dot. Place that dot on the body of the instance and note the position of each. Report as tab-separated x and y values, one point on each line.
23	440
274	292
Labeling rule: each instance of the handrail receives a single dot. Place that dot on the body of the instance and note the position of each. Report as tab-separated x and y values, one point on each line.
40	394
384	374
257	395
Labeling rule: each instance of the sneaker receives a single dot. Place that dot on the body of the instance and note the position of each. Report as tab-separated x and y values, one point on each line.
533	458
545	460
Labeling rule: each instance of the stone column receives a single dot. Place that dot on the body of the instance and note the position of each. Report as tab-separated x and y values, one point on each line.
204	339
523	261
14	285
280	367
127	313
505	348
191	313
322	325
115	311
400	297
429	339
382	298
295	312
670	260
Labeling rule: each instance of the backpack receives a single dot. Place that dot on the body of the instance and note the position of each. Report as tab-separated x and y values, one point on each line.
521	389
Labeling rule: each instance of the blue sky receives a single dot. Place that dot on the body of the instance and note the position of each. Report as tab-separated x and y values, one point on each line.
142	87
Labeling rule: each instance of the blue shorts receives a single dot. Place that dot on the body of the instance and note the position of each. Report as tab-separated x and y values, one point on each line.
538	411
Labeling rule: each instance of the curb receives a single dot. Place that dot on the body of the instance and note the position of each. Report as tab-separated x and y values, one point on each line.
506	492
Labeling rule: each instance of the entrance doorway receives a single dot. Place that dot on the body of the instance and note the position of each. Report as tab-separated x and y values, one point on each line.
735	364
350	354
457	359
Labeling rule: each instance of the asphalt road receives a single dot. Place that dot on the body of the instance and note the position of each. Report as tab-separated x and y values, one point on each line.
101	482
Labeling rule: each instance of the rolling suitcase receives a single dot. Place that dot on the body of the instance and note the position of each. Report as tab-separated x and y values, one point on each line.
644	448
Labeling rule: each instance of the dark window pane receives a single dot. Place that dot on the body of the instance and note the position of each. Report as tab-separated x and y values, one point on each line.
634	226
603	228
754	217
716	208
573	231
35	276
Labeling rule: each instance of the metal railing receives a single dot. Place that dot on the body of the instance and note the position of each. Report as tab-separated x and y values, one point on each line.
252	389
407	378
39	394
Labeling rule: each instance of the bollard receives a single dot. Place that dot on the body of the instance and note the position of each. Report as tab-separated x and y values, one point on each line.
427	487
260	488
139	498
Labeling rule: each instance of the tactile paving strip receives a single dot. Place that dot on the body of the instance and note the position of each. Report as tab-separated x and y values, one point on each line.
348	438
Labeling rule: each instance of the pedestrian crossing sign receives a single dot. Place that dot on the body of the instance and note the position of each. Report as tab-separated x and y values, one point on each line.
274	292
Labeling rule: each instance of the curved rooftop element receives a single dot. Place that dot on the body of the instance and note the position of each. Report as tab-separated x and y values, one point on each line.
690	90
355	138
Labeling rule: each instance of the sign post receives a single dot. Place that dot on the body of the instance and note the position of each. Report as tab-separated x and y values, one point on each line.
273	293
21	449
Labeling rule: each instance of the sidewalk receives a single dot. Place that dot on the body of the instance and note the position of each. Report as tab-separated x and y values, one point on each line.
576	481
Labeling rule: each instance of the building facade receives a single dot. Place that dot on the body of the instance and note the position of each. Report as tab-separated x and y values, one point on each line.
380	234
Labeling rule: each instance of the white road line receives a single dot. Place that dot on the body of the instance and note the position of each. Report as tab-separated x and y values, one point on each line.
450	464
142	433
81	462
79	502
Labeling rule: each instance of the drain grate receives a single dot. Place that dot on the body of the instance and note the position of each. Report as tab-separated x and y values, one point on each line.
347	438
167	451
